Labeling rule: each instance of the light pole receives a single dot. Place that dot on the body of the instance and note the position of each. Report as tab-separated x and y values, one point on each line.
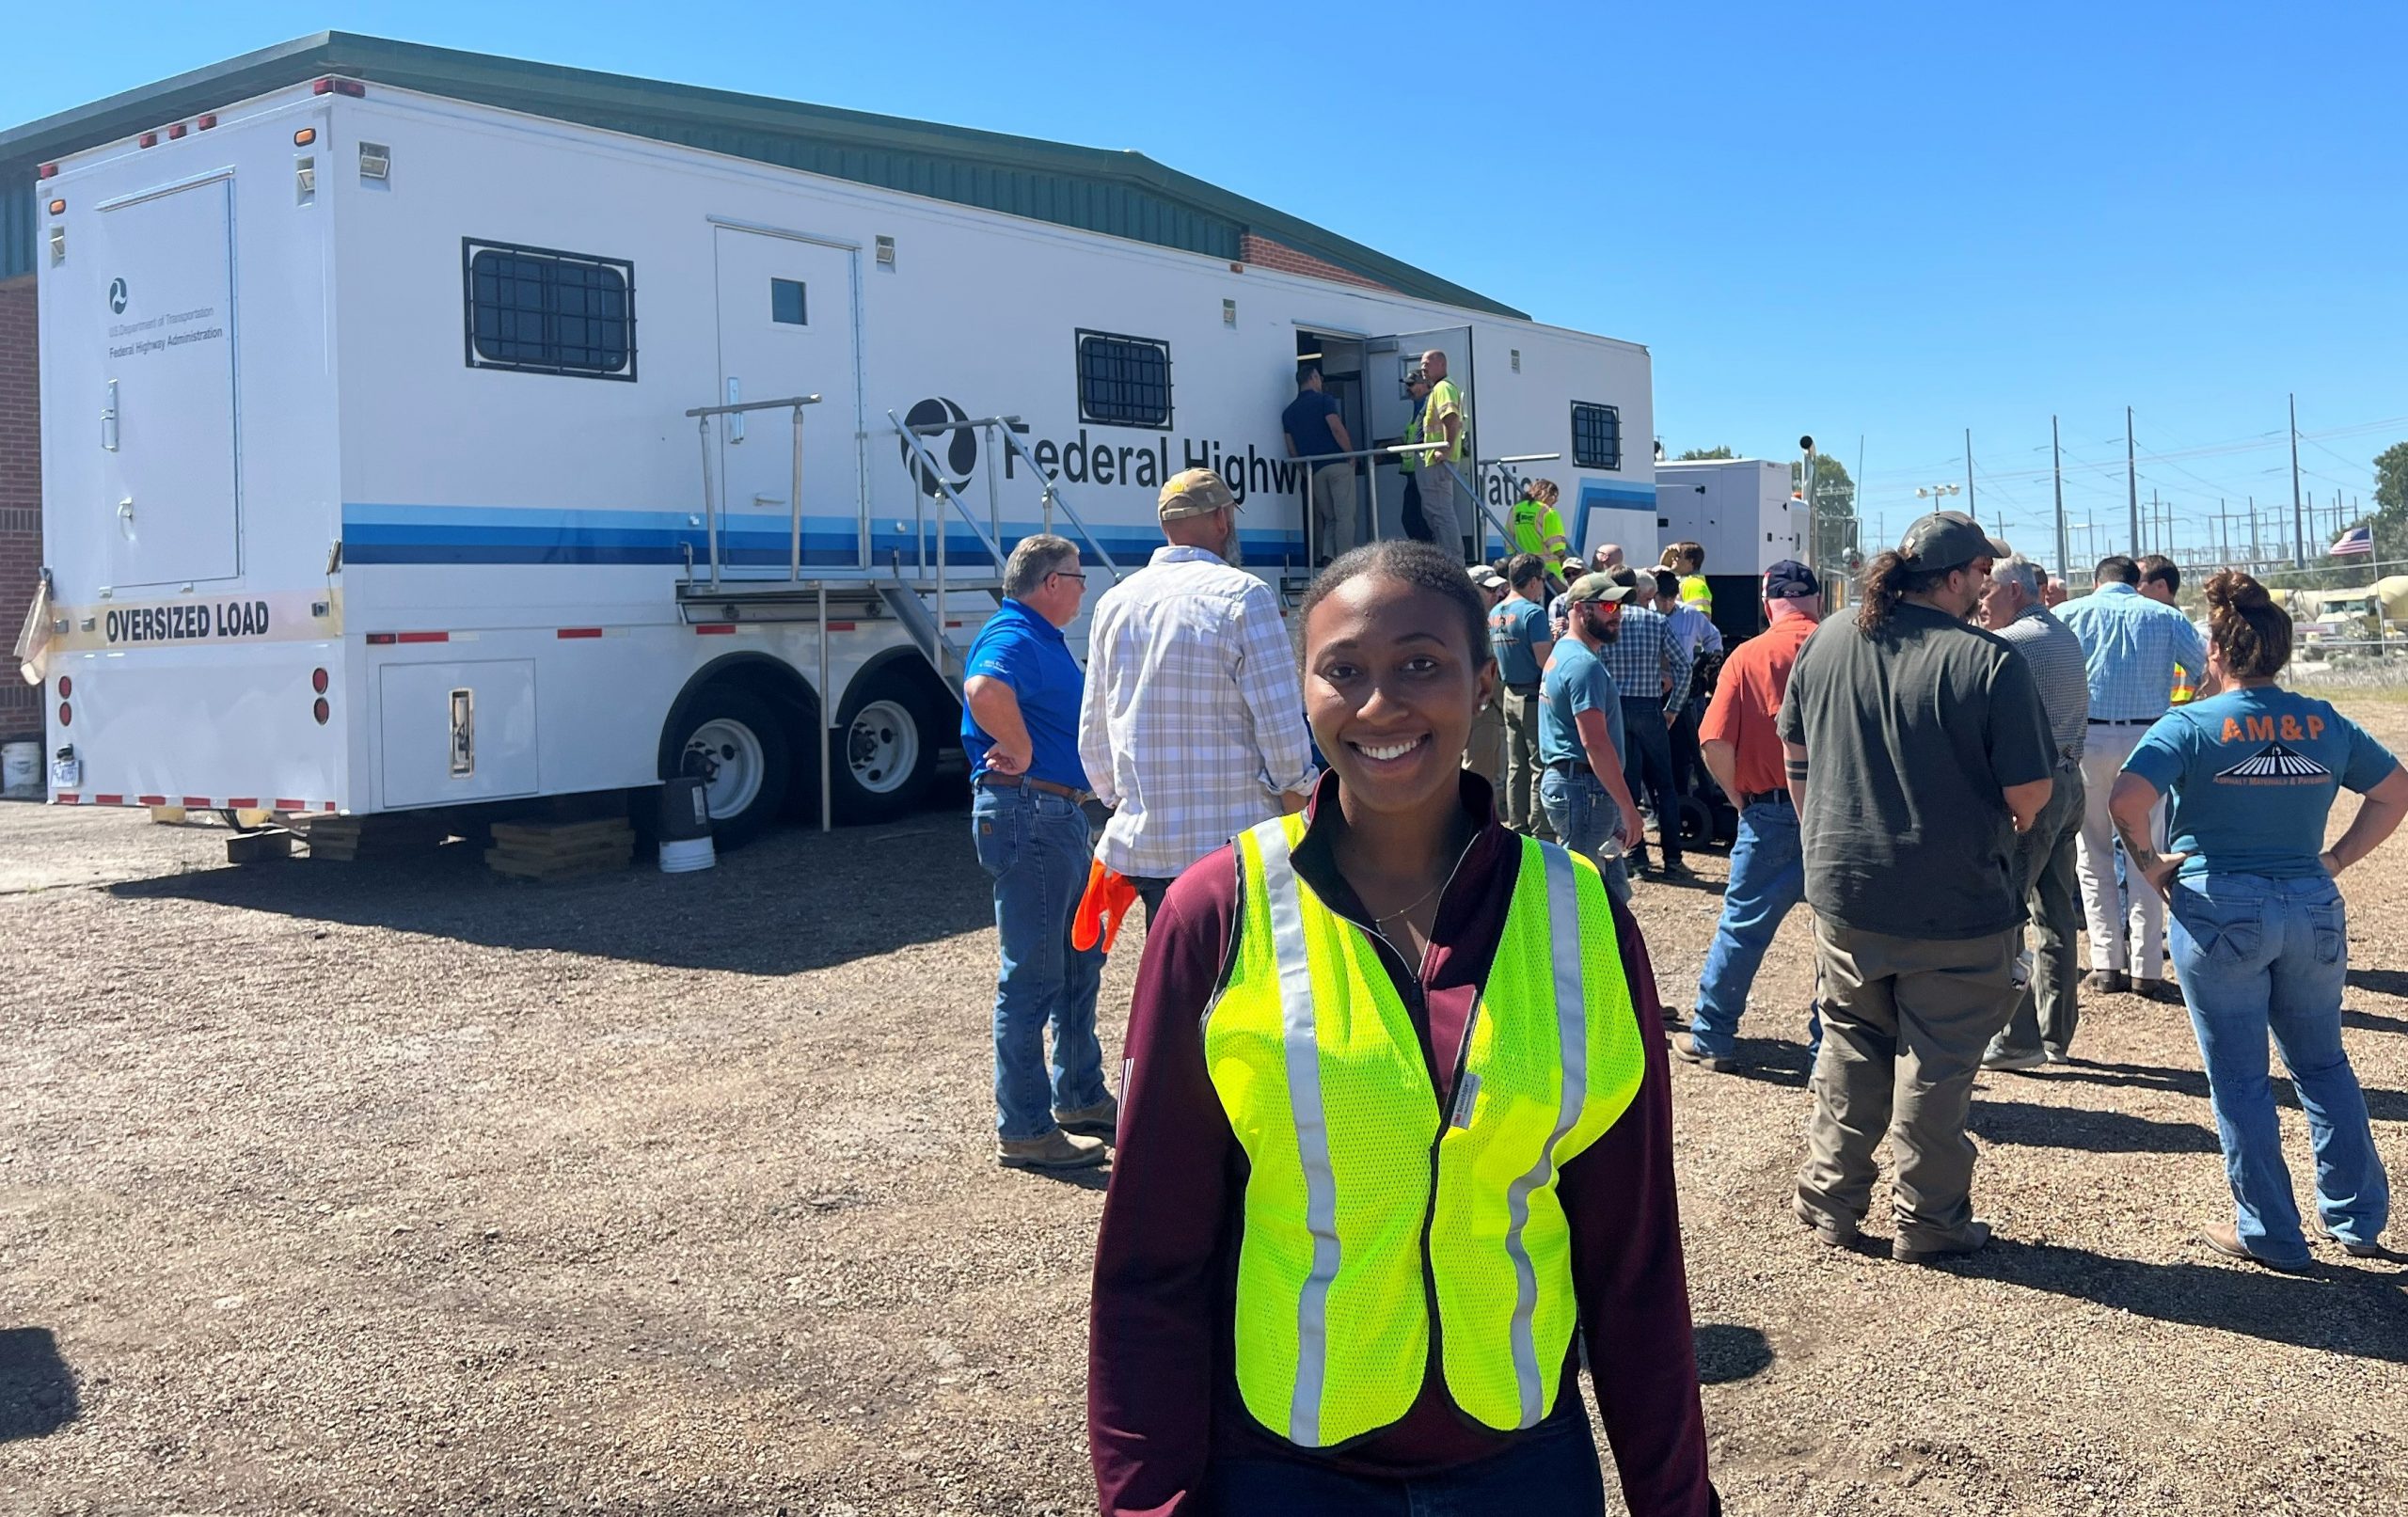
1936	493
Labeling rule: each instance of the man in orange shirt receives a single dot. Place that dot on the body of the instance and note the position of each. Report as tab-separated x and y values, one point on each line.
1742	751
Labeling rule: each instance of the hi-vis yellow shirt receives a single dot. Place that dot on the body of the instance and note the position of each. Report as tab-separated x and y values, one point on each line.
1317	1062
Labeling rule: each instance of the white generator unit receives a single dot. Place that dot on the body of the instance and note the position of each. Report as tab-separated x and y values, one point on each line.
401	453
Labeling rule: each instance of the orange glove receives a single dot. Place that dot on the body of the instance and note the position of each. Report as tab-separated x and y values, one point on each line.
1108	898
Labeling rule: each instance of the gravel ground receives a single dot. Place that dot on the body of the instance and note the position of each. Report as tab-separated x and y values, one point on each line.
395	1187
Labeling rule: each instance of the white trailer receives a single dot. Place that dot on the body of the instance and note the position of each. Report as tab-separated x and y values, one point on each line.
1743	513
399	452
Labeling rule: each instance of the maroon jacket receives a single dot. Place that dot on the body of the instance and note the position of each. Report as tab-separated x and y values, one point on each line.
1162	1400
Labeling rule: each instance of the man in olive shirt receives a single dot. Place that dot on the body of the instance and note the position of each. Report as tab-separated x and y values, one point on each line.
1917	748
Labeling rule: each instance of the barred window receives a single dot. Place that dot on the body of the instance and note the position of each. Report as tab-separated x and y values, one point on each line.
1124	381
1596	436
544	311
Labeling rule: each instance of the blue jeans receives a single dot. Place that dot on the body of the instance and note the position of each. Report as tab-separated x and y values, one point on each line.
1767	878
2257	955
1647	768
1550	1471
1035	847
1584	815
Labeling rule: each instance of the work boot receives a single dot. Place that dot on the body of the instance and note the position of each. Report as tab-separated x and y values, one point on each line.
1686	1045
2014	1061
1101	1120
1058	1149
2148	989
1975	1238
2226	1239
2105	982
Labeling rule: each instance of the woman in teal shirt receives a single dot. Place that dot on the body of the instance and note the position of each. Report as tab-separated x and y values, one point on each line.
2261	936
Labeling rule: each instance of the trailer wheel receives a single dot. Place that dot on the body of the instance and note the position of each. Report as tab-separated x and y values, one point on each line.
735	743
883	751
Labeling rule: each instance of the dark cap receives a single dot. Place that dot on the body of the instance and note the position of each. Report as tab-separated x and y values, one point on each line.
1947	540
1791	580
1595	587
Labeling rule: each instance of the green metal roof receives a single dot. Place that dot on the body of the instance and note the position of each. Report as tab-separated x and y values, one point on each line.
1122	193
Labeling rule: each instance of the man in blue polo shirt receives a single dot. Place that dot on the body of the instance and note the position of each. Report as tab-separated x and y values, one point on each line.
1315	430
1019	731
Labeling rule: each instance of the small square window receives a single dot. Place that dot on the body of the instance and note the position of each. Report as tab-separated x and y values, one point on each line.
1596	436
786	302
1124	381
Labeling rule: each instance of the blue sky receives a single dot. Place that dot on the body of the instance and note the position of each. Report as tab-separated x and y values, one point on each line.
1887	222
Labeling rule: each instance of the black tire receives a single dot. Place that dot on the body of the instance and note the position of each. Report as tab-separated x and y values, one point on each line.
1697	823
731	715
883	751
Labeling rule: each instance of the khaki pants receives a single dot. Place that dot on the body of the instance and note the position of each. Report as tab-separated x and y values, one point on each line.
1485	754
1519	805
2142	953
1905	1022
1334	509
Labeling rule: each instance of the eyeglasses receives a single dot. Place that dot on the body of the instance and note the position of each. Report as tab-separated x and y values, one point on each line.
1069	573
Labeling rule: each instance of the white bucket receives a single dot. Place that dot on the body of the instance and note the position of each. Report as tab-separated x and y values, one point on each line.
684	857
21	770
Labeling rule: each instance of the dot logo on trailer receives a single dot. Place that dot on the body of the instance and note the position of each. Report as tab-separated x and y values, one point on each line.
117	296
956	450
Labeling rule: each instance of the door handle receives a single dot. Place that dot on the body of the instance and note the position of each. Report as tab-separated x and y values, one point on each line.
108	420
769	501
736	418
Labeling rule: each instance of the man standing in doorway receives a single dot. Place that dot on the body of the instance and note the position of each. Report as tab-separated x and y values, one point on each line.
1929	752
1020	722
1741	749
2130	647
1315	430
1652	673
1444	421
1519	636
1193	726
2041	1029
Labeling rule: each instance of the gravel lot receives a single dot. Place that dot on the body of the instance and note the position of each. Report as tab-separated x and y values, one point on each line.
395	1187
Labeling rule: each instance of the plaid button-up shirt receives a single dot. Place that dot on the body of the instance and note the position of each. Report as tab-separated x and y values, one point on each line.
1645	656
1193	723
2129	645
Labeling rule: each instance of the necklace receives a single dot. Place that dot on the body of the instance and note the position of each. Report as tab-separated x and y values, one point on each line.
1399	913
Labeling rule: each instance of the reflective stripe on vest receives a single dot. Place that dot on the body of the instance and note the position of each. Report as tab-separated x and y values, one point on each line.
1317	1064
1694	591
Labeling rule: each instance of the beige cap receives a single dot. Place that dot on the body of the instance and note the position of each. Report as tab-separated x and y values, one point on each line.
1196	492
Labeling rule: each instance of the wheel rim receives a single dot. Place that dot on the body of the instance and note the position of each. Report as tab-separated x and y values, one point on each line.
726	757
882	747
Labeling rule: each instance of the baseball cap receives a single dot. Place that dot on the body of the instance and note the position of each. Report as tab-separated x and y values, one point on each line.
1791	580
1196	492
1487	577
1947	540
1596	587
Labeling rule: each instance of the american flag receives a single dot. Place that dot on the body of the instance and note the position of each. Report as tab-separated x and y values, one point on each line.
2356	540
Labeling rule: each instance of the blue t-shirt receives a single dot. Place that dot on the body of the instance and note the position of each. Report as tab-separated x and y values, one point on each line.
1515	629
1026	652
1575	682
2252	774
1306	419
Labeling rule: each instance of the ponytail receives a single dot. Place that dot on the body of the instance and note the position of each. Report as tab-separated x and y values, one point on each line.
2251	633
1888	580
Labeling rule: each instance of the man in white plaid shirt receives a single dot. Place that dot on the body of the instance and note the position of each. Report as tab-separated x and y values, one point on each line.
1193	725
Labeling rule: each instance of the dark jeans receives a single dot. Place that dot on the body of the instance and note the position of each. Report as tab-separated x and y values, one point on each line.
1647	768
1149	890
1688	763
1550	1471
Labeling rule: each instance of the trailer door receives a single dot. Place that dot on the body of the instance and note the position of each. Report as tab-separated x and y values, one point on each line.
1387	362
170	438
785	327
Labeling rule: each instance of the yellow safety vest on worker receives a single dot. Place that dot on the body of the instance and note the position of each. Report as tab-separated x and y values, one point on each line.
1695	592
1446	397
1536	527
1407	463
1317	1064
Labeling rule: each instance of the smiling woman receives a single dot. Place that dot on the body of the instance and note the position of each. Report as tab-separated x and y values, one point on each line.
1421	1142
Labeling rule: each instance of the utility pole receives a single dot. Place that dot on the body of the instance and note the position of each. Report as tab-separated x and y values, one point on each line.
2256	548
2224	538
2057	452
1971	509
2154	532
2299	531
2131	481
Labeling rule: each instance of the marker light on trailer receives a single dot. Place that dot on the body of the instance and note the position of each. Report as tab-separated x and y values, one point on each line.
65	686
321	710
318	680
177	131
47	171
66	715
307	135
338	87
58	208
147	139
204	122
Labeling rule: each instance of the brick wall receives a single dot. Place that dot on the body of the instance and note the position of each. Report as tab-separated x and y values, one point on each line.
19	496
1271	255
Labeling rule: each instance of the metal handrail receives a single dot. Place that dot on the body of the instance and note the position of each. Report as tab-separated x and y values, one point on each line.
1391	450
1053	497
936	472
702	415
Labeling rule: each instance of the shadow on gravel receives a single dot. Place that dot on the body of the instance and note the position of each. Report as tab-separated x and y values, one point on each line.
1727	1352
793	901
2382	982
2336	1310
2382	1105
1773	1061
2030	1125
2374	1021
36	1389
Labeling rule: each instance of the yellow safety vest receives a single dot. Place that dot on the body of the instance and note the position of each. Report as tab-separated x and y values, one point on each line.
1407	463
1694	592
1534	526
1445	397
1316	1062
